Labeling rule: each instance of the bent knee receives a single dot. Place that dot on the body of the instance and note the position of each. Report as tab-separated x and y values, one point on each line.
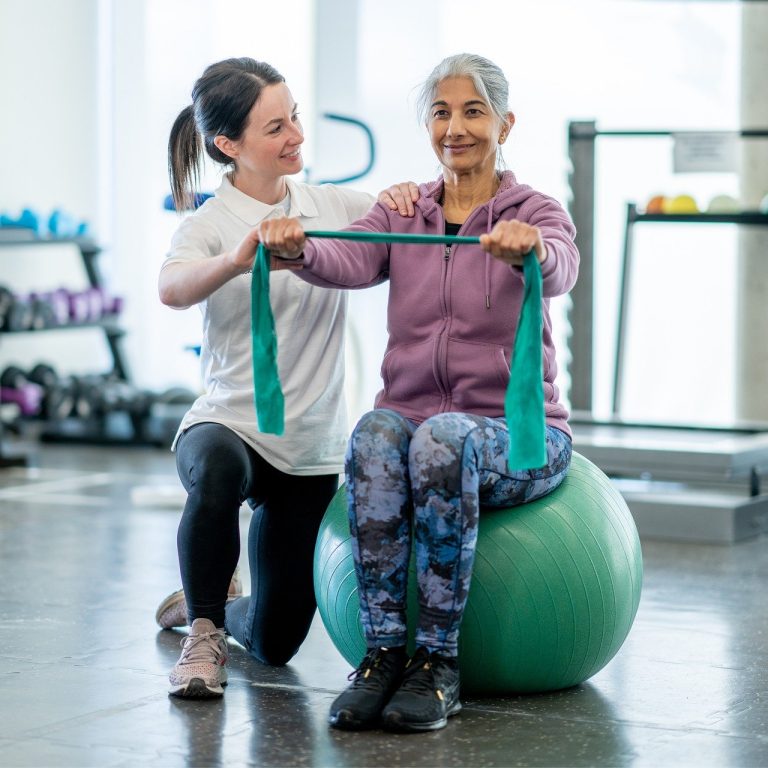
444	433
380	421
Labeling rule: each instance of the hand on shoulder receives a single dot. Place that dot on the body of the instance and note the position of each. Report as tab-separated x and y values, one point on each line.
401	197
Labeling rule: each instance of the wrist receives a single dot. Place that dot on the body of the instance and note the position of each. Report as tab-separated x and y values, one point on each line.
236	264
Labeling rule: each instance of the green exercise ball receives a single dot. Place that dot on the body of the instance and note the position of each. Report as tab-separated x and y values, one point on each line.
555	587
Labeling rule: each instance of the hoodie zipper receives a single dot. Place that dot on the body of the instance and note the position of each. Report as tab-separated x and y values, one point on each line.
442	343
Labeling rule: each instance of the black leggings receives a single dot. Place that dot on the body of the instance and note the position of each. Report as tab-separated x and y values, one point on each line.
219	472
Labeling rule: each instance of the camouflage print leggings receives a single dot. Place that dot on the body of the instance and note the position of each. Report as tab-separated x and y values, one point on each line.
437	473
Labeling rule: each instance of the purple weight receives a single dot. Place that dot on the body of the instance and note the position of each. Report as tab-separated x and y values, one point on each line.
79	306
95	303
59	300
29	398
115	305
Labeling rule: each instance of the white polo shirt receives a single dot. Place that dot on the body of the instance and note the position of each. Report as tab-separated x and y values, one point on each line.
309	321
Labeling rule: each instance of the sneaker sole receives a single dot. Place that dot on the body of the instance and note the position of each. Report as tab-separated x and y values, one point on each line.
196	689
235	590
167	604
394	724
344	721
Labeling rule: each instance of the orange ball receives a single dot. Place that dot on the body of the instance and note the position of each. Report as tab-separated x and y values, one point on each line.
655	204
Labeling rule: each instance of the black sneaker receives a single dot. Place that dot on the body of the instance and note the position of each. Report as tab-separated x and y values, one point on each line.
373	682
428	695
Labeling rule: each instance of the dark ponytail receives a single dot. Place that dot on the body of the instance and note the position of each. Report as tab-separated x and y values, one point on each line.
222	99
184	158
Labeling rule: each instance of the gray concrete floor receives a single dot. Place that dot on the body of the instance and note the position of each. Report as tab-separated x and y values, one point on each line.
87	549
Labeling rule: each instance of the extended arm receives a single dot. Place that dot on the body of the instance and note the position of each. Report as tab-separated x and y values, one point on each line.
544	226
333	263
186	282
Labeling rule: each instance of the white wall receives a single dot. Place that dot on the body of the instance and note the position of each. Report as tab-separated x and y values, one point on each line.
48	107
91	88
49	159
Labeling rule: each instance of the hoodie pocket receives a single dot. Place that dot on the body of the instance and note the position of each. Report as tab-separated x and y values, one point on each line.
408	372
478	374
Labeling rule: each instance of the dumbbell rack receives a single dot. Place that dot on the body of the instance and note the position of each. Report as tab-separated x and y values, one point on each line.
113	333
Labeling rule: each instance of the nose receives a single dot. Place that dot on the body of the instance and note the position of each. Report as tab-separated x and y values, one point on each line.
456	125
297	134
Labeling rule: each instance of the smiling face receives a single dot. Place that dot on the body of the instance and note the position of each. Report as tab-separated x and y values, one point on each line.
465	132
270	146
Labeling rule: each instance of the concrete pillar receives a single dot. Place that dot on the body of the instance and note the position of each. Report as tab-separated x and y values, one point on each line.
752	326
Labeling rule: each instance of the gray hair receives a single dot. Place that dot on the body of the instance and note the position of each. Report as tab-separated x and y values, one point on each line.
488	79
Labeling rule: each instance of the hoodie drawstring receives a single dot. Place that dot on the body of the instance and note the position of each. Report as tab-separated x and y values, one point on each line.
488	260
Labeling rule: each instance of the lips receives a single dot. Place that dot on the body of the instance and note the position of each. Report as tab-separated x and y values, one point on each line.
292	155
457	147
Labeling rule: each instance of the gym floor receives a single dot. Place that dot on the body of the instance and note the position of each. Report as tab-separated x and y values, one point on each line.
88	549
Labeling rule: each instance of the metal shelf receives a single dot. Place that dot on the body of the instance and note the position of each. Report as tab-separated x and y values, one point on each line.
109	324
748	218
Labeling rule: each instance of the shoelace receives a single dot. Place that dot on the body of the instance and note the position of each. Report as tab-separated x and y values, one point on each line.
371	663
198	648
419	677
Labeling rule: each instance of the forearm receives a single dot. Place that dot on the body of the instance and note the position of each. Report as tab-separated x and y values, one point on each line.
344	264
326	260
560	268
184	283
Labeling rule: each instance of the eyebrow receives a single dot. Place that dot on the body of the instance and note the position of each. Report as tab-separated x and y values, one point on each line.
442	103
280	119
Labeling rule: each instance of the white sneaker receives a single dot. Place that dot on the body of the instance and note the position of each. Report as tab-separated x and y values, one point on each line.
172	612
200	672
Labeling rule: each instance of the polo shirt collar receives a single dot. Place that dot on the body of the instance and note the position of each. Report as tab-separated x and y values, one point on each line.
252	211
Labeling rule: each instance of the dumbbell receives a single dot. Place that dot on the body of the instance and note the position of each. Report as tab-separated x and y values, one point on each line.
15	311
42	314
62	224
79	306
88	305
6	302
57	306
120	395
113	305
27	220
15	387
89	399
59	399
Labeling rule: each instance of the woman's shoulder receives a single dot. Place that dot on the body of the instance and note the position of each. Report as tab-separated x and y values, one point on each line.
199	230
515	195
330	193
330	203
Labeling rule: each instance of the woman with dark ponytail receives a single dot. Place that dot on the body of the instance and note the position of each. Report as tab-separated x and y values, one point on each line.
243	117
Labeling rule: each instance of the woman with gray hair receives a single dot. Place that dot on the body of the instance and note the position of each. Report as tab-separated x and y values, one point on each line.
434	448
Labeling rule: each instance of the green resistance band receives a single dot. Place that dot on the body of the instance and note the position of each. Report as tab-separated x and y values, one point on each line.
524	400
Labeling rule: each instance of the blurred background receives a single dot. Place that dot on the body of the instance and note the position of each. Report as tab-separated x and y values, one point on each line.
91	88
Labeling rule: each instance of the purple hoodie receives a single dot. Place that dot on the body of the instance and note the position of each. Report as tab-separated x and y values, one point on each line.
452	312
